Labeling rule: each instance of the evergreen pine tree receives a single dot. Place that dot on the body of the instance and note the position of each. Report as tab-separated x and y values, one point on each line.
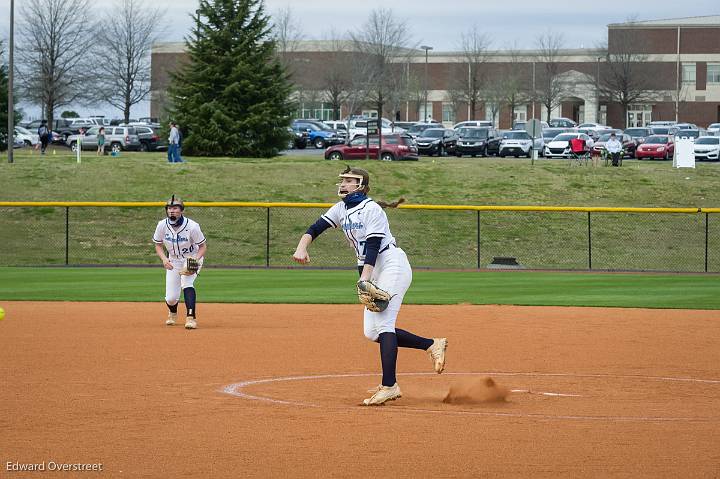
232	97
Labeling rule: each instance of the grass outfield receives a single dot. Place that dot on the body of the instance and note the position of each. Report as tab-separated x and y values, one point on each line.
324	286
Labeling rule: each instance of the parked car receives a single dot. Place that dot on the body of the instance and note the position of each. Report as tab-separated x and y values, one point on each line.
28	137
297	139
463	124
416	129
149	138
638	134
688	133
520	125
663	130
562	123
18	142
437	141
117	138
629	145
661	123
319	134
358	126
473	140
395	147
686	126
707	148
515	143
403	124
658	147
559	147
340	128
713	129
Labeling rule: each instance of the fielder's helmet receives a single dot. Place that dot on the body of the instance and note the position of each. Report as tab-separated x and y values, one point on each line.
175	201
359	174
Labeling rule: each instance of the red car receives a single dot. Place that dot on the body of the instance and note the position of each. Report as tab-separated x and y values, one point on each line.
657	147
395	147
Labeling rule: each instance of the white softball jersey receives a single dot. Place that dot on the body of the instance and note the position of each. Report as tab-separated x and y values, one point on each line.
181	243
392	270
360	222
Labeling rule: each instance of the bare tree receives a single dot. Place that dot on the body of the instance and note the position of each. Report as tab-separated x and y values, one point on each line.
468	85
126	34
513	88
54	67
493	95
337	82
287	32
549	88
626	79
382	42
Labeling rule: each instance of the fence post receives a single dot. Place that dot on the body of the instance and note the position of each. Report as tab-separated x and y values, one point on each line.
67	235
707	219
478	239
267	240
589	242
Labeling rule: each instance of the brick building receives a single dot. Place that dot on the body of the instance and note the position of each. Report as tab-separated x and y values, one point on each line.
675	75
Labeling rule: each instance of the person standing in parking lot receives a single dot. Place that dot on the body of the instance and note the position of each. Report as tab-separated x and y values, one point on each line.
173	144
44	134
101	141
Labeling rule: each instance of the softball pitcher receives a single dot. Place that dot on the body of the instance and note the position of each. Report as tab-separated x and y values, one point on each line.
185	245
385	276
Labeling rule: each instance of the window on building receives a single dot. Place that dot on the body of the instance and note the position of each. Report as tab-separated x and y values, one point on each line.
425	111
713	73
688	73
639	115
520	113
448	114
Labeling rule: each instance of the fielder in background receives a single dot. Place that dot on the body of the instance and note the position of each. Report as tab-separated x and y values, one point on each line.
385	274
185	245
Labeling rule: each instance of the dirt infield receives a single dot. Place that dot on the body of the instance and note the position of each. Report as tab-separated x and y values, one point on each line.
274	391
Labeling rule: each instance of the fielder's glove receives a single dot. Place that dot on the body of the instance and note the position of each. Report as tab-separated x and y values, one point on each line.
190	267
374	298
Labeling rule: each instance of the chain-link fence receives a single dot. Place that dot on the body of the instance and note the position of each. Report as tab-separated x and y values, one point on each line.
265	235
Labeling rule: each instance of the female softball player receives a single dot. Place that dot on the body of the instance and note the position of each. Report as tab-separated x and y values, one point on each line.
384	266
182	238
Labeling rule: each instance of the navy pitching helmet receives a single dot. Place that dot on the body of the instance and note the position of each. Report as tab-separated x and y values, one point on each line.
175	201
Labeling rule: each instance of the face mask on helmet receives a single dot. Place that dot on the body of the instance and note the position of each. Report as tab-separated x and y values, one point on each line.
352	173
174	217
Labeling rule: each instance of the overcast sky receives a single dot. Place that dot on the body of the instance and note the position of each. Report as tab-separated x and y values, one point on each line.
440	23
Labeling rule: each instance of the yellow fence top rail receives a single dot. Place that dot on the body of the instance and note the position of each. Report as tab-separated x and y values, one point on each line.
244	204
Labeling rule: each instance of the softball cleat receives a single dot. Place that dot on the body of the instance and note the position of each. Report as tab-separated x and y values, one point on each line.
437	353
384	394
172	318
190	323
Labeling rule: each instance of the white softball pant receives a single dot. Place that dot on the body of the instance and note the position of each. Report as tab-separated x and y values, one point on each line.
176	282
393	274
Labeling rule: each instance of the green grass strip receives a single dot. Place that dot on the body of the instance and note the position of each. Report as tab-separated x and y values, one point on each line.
685	291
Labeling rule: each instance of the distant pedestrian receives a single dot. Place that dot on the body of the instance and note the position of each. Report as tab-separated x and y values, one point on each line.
44	134
614	149
173	144
101	141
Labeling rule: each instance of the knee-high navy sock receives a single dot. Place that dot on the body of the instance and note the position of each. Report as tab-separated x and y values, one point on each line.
172	307
388	357
406	339
189	294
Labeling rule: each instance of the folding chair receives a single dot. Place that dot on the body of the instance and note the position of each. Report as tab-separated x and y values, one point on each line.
579	153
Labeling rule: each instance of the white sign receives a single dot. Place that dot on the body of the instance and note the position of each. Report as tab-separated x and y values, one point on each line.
684	153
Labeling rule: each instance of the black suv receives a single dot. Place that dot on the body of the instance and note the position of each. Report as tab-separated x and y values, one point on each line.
437	141
476	140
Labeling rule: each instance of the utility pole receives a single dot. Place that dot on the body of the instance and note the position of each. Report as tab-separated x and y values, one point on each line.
11	107
426	48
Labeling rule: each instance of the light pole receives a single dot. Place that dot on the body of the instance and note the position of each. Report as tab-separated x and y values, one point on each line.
597	91
11	67
426	48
